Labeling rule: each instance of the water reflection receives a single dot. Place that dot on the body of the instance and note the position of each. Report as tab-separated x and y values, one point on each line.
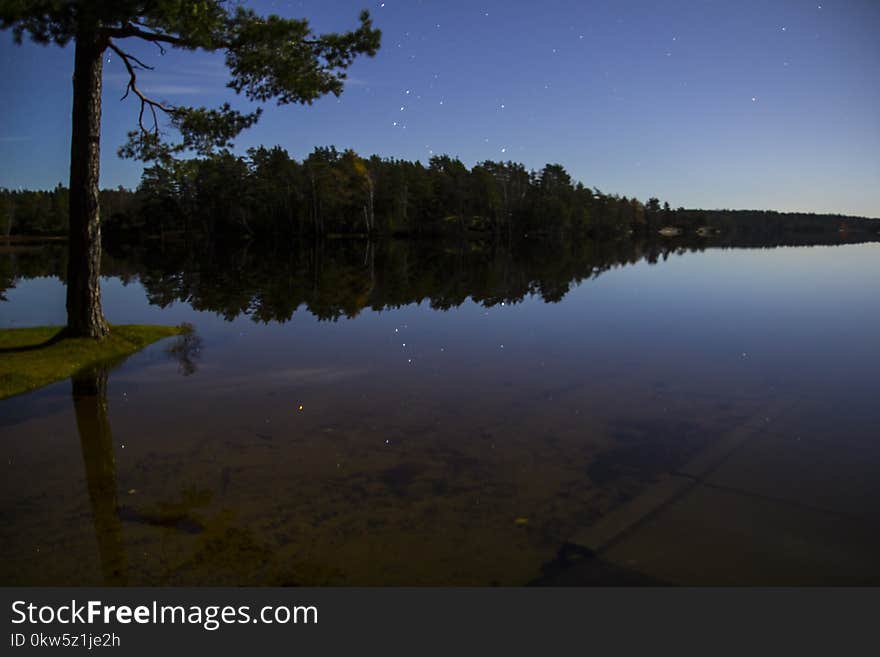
336	279
186	349
96	441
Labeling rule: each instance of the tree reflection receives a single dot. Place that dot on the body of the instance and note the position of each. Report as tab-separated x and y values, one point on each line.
186	350
337	278
96	441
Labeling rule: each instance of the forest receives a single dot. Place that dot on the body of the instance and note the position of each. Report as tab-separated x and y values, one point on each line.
269	195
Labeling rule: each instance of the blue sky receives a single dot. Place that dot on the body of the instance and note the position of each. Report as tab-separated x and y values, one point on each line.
704	103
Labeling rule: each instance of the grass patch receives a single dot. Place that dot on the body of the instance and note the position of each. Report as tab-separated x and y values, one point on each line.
31	357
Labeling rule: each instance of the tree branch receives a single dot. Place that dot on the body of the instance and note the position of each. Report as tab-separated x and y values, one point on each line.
131	62
136	62
129	30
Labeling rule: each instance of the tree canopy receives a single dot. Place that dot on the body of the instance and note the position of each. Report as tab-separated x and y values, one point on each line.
267	57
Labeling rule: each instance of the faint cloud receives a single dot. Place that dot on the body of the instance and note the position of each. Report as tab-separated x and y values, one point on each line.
176	89
212	69
10	140
179	82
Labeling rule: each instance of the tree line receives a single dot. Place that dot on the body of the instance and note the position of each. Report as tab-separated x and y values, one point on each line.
268	194
331	193
46	212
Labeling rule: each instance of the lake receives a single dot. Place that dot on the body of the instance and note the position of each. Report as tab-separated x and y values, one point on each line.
410	414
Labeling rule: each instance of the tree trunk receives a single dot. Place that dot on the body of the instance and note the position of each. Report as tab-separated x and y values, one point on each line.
372	212
10	216
405	204
84	315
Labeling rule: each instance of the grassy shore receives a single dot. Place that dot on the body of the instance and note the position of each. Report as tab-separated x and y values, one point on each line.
34	357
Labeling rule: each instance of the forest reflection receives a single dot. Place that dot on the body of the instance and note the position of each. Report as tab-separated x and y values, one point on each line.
334	279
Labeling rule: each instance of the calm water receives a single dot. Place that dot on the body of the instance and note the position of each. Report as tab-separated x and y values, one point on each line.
389	415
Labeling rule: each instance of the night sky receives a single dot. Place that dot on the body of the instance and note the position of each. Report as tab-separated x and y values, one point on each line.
704	103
